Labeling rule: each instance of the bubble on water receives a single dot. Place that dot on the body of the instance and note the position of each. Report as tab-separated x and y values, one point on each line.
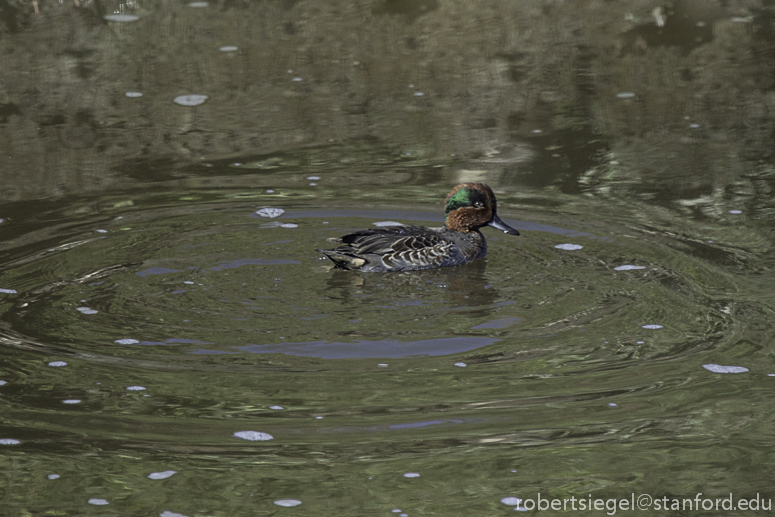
289	225
3	383
396	510
387	223
190	100
276	407
411	475
86	310
313	178
628	267
613	404
625	95
287	503
162	475
134	95
127	341
198	4
418	94
253	436
98	502
771	375
318	418
639	342
271	213
102	231
652	327
189	282
297	79
736	212
121	18
57	363
9	441
512	501
167	513
382	365
53	476
228	48
8	291
569	247
694	126
461	365
136	388
719	368
71	401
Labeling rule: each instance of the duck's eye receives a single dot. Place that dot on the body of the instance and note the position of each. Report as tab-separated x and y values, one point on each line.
478	204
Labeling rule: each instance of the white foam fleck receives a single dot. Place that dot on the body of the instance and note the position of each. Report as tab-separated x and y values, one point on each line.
229	48
53	476
9	441
387	223
318	418
162	475
569	247
625	95
121	18
276	407
136	388
411	475
167	513
651	327
98	502
71	401
198	4
461	365
628	267
190	100
418	94
189	282
396	510
613	404
313	178
102	231
512	501
134	95
736	212
8	291
253	436
86	310
3	383
289	225
127	341
382	365
297	79
694	126
271	213
719	368
287	503
639	342
57	363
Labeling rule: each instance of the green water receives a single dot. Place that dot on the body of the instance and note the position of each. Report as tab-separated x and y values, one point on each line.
613	358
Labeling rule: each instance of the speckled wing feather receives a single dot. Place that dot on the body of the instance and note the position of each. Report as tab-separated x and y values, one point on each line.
384	249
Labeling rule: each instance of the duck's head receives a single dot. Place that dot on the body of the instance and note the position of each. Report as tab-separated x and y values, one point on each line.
471	206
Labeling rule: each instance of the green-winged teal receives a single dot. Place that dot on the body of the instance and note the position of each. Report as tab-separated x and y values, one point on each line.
405	248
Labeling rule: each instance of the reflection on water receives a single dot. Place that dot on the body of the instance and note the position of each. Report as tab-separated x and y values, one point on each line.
174	345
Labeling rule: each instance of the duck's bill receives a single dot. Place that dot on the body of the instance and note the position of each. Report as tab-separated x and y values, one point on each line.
500	225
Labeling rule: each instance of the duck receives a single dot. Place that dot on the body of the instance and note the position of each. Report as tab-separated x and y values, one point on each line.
469	207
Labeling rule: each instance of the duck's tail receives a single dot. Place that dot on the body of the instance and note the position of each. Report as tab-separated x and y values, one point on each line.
343	260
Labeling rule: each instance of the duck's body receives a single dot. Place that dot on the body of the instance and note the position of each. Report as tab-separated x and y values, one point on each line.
405	248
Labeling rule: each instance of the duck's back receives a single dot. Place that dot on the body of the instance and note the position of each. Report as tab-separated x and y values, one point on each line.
405	248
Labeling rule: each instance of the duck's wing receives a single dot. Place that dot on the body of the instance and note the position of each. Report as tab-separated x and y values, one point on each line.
392	249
